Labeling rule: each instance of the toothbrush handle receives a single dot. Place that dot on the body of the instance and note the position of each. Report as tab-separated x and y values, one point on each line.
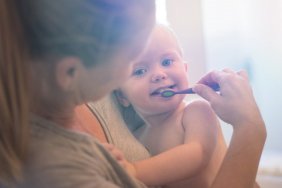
186	91
215	87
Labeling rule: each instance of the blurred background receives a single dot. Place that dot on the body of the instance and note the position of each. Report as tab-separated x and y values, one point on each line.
242	34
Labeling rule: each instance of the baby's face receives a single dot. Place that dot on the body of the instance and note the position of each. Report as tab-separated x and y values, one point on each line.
160	67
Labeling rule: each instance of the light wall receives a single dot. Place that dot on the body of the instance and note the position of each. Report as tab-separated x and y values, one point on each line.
241	35
185	17
248	34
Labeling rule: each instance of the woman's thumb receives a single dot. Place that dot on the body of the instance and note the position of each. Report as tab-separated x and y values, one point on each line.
205	92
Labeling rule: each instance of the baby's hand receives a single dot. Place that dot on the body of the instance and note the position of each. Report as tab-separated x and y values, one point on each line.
118	155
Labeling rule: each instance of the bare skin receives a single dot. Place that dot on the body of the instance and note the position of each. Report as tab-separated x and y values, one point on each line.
185	139
89	123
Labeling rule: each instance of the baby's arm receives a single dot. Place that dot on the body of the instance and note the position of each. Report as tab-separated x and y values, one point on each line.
187	160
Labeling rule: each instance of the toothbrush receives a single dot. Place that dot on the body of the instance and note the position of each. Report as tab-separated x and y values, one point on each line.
169	93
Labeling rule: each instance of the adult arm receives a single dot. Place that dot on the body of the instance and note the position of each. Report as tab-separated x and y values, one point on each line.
235	104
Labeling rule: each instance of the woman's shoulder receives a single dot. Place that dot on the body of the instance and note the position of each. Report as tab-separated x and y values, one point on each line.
49	141
58	157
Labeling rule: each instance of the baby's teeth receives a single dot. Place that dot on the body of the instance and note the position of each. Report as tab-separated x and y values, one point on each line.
161	90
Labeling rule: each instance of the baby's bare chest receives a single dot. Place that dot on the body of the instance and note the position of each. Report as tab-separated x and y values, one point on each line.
166	137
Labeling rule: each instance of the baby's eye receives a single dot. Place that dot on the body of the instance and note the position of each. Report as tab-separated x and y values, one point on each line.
139	71
167	62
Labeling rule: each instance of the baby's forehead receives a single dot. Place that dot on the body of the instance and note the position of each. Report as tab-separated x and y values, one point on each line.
162	43
163	30
163	36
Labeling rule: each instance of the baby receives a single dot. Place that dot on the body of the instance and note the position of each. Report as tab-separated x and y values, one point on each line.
185	139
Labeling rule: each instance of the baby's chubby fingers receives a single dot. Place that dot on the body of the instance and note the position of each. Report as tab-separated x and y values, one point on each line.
116	153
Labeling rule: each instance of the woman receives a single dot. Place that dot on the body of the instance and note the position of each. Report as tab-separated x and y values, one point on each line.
56	55
72	51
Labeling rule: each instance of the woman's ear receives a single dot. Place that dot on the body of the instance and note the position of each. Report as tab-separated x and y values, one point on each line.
67	72
121	98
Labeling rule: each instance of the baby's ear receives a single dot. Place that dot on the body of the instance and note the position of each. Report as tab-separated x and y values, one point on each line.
121	98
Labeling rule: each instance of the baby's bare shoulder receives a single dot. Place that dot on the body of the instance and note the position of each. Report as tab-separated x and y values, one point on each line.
199	111
198	106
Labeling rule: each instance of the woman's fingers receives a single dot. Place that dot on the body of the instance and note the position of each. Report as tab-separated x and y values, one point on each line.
205	92
235	102
221	77
211	78
228	70
243	73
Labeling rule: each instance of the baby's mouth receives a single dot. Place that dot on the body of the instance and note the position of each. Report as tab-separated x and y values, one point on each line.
161	89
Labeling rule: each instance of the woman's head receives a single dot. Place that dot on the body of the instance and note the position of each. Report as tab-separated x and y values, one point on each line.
90	30
101	33
72	50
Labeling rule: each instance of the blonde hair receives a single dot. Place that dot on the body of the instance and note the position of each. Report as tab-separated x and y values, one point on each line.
166	27
13	94
31	30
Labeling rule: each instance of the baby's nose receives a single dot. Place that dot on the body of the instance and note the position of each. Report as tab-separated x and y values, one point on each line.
158	77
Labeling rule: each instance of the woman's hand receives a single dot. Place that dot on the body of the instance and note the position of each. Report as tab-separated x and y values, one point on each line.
235	103
118	155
